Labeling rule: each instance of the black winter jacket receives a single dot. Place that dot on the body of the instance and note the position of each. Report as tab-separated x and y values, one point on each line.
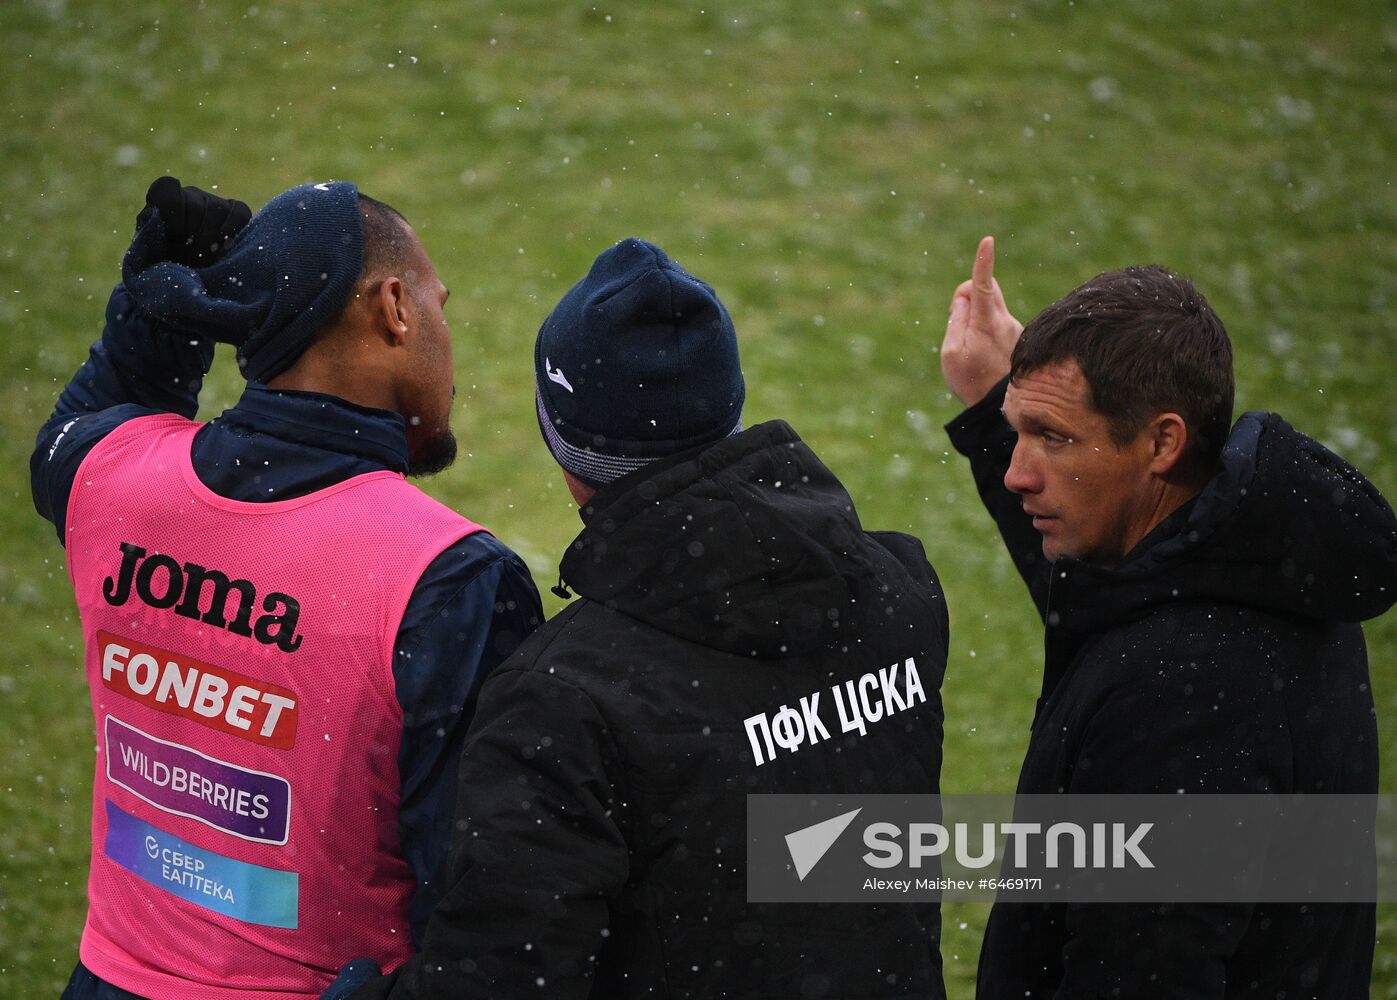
602	849
1220	656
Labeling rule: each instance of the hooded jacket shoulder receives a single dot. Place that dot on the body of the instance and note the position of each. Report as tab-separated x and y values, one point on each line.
750	546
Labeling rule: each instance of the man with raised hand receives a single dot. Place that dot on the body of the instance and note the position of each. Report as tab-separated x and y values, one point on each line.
723	577
1201	584
284	638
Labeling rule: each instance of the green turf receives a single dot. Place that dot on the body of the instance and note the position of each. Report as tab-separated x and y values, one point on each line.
827	166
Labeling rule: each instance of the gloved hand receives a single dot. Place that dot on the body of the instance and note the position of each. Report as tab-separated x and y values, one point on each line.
198	225
351	977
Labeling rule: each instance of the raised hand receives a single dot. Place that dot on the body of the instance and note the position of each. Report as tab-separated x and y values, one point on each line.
198	225
980	334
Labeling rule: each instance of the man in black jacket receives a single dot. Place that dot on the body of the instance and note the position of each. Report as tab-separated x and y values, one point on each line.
1200	590
723	574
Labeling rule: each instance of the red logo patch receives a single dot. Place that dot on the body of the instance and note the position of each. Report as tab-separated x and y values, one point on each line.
211	696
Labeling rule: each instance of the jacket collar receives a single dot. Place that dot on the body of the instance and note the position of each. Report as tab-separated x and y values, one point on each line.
317	419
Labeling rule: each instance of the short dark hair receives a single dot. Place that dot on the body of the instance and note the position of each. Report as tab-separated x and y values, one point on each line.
386	243
386	250
1148	343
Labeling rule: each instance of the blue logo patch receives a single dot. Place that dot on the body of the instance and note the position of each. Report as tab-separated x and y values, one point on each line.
247	892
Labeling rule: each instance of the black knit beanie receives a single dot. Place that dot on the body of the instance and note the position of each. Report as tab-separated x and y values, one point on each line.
290	270
637	362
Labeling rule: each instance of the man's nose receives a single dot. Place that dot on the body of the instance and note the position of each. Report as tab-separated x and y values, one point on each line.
1020	477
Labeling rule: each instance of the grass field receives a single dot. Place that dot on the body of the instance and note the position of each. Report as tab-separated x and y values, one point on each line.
828	167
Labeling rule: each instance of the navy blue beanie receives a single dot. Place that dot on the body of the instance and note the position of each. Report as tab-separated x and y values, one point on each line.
638	361
290	270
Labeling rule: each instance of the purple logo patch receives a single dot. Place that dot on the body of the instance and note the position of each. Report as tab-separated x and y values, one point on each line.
249	804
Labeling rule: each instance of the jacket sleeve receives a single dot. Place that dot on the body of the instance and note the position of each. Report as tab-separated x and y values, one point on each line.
472	607
1166	730
982	435
135	368
539	851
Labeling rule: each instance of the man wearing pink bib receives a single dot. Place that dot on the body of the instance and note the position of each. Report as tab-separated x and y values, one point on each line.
284	639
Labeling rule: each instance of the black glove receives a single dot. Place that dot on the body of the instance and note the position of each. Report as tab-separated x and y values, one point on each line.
198	225
354	975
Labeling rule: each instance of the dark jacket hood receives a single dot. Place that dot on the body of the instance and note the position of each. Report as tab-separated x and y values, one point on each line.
1284	525
749	545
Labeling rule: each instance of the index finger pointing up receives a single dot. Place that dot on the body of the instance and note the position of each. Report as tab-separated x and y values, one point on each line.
982	275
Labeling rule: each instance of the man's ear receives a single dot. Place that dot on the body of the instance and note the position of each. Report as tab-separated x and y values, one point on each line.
390	309
1168	439
580	491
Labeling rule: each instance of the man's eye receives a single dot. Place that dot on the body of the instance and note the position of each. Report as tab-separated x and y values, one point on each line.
1054	438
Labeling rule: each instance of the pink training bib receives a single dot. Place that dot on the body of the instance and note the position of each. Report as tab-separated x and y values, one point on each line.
245	808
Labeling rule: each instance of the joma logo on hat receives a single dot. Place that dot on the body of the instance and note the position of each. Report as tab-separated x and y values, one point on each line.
556	375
